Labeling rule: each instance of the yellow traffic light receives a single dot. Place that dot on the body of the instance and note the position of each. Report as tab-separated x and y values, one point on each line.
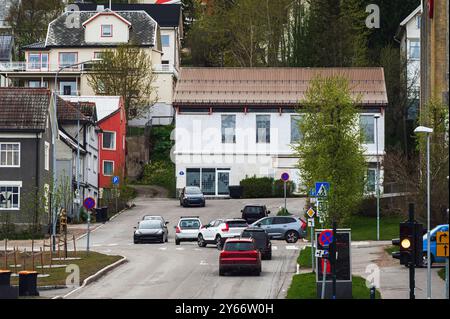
406	243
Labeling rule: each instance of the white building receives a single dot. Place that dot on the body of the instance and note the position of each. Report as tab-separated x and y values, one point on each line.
408	35
238	122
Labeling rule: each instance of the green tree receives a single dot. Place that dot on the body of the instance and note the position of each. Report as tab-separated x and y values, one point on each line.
125	71
29	19
331	148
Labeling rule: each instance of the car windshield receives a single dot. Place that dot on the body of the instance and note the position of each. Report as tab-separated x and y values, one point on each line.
239	246
237	223
152	218
193	191
150	224
253	210
190	224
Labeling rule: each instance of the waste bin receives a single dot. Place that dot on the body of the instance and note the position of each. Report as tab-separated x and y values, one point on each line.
28	283
235	191
101	214
5	277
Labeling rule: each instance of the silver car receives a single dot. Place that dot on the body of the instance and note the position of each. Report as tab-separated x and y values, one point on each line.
187	229
289	228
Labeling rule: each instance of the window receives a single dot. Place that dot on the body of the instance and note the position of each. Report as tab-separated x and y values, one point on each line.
9	154
165	41
108	168
414	49
67	58
296	135
46	156
107	30
95	164
165	62
68	87
9	197
109	140
418	21
262	128
98	55
228	128
34	61
37	84
193	177
367	126
371	180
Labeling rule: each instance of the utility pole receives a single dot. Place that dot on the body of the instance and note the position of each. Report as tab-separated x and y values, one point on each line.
412	261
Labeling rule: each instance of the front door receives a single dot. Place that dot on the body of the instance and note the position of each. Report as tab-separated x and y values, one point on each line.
223	181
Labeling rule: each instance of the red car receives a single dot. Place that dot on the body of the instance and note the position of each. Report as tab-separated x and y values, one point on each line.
240	254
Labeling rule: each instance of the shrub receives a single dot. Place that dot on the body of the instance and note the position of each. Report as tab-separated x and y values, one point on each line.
257	187
162	174
283	212
278	188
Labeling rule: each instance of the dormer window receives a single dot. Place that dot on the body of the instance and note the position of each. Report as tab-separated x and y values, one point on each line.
106	30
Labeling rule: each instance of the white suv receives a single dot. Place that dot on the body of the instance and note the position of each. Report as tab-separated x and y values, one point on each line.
219	230
187	229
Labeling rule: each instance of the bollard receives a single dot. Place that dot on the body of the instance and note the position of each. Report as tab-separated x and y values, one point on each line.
5	277
28	283
372	292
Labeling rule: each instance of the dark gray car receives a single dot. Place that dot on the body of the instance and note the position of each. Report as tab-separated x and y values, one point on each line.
150	230
289	228
192	196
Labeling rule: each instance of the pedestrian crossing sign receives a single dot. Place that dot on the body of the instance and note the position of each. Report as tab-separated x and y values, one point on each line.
322	189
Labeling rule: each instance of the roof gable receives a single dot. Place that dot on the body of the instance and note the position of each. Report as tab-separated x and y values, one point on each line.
107	13
104	105
24	109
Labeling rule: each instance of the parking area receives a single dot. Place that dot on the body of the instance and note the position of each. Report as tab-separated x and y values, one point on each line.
186	271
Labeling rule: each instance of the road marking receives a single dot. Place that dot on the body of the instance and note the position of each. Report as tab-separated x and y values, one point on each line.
162	248
111	245
179	248
97	245
197	249
274	247
360	243
291	247
203	263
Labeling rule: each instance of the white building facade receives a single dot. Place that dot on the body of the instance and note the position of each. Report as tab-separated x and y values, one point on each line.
238	123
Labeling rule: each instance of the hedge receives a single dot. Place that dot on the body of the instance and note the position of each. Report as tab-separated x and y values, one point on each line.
263	187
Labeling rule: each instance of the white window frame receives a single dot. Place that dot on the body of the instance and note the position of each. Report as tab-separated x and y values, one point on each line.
94	163
167	37
102	31
47	156
17	184
375	181
115	141
103	167
270	128
298	117
20	150
374	128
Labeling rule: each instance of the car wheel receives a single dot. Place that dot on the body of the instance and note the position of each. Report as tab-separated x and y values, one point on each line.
167	238
200	241
203	205
136	241
221	272
291	237
425	260
219	242
258	272
177	241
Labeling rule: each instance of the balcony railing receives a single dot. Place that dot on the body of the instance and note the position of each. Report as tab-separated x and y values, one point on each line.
165	68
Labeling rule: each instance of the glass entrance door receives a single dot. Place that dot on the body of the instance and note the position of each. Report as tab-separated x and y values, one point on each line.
223	181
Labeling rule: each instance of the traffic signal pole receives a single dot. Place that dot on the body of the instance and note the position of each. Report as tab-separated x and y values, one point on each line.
412	261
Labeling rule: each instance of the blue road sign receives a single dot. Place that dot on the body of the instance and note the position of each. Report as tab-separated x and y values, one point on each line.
115	180
89	203
326	238
322	189
285	177
312	192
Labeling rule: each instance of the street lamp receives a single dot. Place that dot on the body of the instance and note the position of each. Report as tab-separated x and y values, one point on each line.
55	132
377	116
427	131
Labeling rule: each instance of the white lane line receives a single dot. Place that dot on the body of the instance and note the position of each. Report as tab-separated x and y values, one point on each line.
197	249
162	248
179	248
360	243
274	247
111	245
291	247
203	263
97	245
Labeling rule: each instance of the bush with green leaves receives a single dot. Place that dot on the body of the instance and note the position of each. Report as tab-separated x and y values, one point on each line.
283	212
257	187
278	188
161	173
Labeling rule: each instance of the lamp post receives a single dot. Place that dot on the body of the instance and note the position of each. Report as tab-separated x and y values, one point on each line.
55	132
377	116
427	131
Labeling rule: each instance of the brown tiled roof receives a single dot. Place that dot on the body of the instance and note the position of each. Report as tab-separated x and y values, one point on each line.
72	111
23	109
276	86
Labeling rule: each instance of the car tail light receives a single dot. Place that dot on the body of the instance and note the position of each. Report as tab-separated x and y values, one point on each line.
303	224
227	228
177	230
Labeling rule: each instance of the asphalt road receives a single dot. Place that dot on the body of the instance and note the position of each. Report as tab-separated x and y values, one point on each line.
185	271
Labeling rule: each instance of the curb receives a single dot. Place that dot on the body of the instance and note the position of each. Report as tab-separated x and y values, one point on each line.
95	277
100	226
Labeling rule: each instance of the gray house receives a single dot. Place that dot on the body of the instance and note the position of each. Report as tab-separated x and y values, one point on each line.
25	157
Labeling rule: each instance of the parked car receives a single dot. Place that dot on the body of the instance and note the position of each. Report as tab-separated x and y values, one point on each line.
261	239
252	213
217	231
239	254
156	217
289	228
187	229
433	234
192	196
150	230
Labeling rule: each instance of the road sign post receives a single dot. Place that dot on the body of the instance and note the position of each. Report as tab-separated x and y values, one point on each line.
115	181
311	213
285	178
89	204
325	239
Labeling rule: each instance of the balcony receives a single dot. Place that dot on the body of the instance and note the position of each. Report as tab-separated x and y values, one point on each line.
166	69
36	67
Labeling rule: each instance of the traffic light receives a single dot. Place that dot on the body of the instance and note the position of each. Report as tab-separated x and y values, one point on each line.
410	243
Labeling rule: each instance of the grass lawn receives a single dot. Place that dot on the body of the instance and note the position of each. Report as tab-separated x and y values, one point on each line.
441	273
304	258
303	286
389	250
89	265
365	228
